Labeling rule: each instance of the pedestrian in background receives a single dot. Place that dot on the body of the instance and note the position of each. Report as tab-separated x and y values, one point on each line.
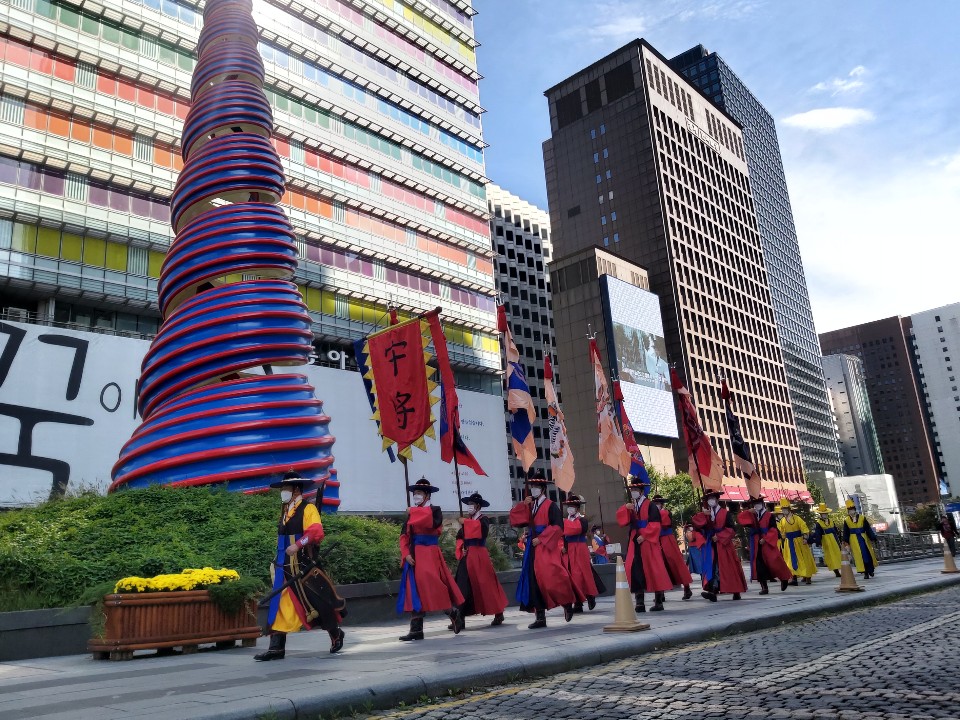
598	544
949	533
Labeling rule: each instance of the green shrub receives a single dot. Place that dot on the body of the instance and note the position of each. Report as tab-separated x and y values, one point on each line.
52	554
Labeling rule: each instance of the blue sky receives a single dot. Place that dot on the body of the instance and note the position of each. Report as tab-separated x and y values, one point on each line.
866	96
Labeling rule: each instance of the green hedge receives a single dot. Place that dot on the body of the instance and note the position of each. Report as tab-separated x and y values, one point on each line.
51	554
54	554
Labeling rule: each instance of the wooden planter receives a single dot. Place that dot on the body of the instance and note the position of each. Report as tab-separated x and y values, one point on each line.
162	620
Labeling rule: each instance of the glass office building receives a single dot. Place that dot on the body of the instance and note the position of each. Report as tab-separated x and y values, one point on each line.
377	122
781	251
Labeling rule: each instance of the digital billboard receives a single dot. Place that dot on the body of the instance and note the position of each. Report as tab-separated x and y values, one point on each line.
637	352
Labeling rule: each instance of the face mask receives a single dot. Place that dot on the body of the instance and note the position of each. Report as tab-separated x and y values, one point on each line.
473	509
571	511
635	494
536	492
758	507
787	514
418	499
711	503
852	512
286	496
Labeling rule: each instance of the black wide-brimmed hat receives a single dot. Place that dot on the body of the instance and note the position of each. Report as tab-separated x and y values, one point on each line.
475	499
712	494
423	485
538	478
658	498
635	482
293	478
573	499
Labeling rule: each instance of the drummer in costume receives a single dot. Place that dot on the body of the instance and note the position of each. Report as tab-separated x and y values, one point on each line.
308	602
719	531
766	561
426	584
576	556
646	571
859	537
476	577
796	552
544	581
826	534
672	557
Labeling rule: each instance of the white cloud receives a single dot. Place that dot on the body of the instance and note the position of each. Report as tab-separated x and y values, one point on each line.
717	9
828	119
877	241
619	22
837	86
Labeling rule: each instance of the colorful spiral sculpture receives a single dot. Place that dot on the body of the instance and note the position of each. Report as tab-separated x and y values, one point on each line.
206	418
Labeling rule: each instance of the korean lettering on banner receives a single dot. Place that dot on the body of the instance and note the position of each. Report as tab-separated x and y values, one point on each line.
398	370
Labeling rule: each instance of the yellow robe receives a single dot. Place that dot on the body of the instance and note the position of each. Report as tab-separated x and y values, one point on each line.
287	620
860	534
796	552
830	543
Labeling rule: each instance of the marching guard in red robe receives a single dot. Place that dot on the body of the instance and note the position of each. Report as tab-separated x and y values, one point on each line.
476	576
672	557
719	530
426	584
544	581
766	561
587	585
645	568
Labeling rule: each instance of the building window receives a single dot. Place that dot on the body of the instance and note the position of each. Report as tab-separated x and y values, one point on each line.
609	174
616	237
593	133
603	129
596	157
603	219
599	179
613	216
606	153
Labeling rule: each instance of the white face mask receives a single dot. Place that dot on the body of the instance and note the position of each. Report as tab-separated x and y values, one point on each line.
571	511
852	512
787	514
419	499
536	492
758	507
473	509
635	494
286	496
712	502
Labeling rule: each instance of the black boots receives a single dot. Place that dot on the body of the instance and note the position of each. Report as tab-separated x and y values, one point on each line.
568	612
658	599
591	602
416	630
837	573
639	606
784	584
794	582
497	620
336	640
540	622
276	651
457	620
736	596
712	597
764	588
687	592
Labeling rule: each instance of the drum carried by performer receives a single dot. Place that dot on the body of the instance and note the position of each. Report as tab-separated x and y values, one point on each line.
307	597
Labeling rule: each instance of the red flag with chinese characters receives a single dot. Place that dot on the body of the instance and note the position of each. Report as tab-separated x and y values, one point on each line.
704	461
400	385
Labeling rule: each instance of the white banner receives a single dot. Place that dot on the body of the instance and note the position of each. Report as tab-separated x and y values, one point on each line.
67	407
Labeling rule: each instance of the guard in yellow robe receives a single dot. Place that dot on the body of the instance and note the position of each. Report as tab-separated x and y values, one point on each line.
826	534
796	552
859	537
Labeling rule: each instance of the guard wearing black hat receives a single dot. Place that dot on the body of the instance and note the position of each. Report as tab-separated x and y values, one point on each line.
311	600
426	584
672	557
587	585
544	581
644	563
716	524
476	576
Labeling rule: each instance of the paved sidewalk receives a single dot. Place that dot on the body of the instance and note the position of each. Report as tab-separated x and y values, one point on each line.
376	671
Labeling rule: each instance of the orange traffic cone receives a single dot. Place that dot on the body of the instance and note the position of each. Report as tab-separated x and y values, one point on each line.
625	619
848	583
949	566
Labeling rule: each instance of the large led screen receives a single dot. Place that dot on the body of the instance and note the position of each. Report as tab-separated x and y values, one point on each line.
638	353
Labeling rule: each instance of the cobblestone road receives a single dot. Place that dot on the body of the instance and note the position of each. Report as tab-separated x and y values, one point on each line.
897	661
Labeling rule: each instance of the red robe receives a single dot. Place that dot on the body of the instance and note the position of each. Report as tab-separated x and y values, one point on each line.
577	558
553	586
732	579
672	557
485	596
653	576
771	564
435	585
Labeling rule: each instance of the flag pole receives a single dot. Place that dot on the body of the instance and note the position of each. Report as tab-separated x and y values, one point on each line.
456	474
600	507
406	478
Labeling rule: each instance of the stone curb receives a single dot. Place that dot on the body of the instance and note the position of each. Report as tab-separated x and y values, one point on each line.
410	688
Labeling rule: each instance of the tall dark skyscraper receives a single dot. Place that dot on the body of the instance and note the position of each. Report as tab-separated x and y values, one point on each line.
781	251
641	163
